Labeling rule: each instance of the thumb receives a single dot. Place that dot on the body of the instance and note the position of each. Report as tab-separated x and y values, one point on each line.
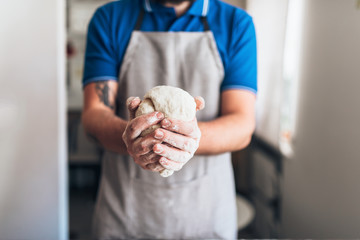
132	104
200	103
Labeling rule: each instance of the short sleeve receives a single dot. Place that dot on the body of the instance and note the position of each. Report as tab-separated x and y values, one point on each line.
241	70
100	58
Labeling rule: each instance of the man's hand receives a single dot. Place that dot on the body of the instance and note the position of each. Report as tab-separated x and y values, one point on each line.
180	140
140	148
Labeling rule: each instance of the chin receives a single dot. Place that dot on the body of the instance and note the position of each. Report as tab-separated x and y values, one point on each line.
174	1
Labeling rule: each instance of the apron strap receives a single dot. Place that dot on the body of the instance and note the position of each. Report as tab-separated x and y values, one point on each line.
139	20
205	23
142	13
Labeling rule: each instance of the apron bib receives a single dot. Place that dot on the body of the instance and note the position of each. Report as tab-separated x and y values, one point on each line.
199	200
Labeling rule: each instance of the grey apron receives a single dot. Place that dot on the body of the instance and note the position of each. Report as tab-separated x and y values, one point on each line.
196	202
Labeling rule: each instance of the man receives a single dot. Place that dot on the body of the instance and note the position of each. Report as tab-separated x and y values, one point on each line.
205	47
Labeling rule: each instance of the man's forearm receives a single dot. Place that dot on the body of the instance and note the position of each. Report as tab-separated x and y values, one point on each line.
106	128
225	134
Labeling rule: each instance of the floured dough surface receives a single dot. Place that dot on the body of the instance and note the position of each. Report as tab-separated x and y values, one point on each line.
171	101
146	107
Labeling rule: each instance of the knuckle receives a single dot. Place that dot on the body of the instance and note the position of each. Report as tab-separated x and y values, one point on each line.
136	156
151	118
126	142
152	160
139	150
143	146
147	159
125	134
132	127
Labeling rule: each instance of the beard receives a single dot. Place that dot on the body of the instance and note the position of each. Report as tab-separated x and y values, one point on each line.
173	1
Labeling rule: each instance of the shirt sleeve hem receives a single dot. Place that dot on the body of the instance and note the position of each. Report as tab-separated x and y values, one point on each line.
229	87
97	79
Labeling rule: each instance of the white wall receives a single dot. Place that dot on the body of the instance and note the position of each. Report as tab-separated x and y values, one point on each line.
270	22
32	120
321	183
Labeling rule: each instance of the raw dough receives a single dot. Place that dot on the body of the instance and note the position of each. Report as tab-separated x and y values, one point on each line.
172	102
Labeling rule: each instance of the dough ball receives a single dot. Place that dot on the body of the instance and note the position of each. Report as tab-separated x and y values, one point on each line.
146	107
171	101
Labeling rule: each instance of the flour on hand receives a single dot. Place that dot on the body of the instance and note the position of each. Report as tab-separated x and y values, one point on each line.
173	103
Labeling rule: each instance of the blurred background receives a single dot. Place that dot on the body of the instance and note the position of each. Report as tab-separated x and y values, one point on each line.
297	179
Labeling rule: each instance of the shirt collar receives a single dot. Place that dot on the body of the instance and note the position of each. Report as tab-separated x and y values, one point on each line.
198	8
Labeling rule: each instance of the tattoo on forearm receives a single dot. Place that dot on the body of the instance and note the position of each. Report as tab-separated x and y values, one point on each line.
104	92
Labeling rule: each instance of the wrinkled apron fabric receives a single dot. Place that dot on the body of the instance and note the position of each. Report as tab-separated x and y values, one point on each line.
199	200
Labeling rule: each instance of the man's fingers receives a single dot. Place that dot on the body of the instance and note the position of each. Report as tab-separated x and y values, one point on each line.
180	138
176	140
132	104
150	162
143	145
149	158
139	124
172	153
170	165
187	128
200	103
155	167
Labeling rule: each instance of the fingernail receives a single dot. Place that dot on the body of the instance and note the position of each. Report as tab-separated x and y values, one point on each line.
158	149
160	115
159	134
129	100
165	123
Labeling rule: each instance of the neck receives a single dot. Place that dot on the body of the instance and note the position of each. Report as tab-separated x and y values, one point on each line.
180	7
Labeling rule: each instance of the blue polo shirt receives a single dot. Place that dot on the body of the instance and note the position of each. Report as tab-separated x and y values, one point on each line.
111	26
